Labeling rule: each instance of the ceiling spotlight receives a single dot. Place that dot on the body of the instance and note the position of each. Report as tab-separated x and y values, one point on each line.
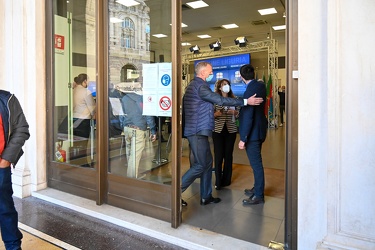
268	35
128	3
241	41
284	15
216	45
194	49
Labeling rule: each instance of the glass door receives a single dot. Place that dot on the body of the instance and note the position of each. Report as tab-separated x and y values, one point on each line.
115	133
140	106
73	98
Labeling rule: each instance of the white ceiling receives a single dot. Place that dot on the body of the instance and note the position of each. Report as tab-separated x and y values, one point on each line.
208	20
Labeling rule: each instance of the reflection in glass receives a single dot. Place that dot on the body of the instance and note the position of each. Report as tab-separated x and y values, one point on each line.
133	150
74	99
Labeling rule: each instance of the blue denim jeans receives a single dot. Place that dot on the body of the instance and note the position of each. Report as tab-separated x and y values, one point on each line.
201	167
10	233
253	150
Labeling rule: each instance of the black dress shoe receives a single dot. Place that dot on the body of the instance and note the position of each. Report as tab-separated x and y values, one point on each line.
183	203
249	192
86	165
253	200
210	200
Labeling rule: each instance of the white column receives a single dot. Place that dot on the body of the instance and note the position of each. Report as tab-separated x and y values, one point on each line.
336	126
22	55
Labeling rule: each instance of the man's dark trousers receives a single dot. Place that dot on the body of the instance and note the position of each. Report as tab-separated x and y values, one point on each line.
202	166
253	151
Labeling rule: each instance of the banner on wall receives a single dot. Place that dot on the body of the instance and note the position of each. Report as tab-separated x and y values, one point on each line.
157	89
228	67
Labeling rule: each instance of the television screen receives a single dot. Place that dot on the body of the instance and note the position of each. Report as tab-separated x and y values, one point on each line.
92	87
228	67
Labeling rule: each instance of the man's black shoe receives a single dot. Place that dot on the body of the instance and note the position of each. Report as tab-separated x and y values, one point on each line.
253	200
249	192
183	203
210	200
86	165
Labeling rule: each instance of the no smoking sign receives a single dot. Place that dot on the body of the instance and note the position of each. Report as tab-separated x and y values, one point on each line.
165	103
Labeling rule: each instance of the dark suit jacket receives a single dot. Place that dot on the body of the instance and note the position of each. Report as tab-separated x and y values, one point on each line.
253	122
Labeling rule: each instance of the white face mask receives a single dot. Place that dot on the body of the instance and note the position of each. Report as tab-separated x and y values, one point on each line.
225	88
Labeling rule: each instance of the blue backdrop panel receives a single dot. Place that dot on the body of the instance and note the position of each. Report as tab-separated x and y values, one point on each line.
228	67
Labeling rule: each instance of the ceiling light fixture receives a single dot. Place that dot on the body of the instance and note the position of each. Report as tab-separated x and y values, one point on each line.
197	4
284	15
280	27
195	49
159	35
185	44
267	11
241	41
216	45
128	3
182	25
229	26
268	35
204	36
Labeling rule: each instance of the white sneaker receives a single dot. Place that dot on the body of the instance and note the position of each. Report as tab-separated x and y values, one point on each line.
280	125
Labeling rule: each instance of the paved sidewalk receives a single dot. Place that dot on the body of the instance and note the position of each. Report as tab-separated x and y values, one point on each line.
51	226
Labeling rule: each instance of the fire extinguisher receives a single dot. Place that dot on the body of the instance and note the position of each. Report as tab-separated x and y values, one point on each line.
60	153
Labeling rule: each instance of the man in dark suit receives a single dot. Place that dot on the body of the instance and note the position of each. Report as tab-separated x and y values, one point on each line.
253	130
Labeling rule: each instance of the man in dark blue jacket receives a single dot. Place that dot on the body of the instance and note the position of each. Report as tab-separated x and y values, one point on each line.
14	131
253	130
198	126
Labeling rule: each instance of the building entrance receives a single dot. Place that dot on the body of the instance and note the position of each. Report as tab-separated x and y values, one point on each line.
111	107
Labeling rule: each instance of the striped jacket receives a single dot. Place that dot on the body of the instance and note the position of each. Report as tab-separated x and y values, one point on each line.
228	119
198	107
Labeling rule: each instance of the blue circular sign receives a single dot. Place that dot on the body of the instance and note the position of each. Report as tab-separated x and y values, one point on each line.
165	80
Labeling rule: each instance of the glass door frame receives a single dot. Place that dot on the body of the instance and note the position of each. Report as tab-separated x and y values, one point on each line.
60	175
100	178
108	193
291	177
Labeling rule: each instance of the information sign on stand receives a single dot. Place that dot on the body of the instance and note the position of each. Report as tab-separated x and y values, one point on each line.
157	89
157	96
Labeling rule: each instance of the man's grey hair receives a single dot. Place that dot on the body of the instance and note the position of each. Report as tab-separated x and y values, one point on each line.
200	66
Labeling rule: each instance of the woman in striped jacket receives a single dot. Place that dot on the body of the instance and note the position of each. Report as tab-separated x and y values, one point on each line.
224	135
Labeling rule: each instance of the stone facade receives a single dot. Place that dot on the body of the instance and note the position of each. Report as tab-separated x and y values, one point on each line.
121	56
335	102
